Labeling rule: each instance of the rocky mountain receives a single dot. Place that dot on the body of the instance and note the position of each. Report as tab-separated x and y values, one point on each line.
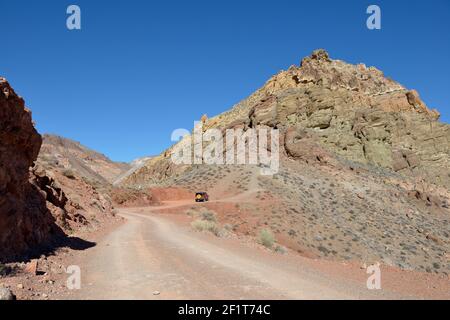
89	178
72	157
365	168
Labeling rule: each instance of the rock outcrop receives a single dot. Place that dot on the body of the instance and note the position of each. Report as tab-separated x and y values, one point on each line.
43	200
25	221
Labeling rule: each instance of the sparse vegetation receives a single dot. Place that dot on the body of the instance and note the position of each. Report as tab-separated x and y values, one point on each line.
69	174
202	214
228	227
208	216
280	250
266	238
203	225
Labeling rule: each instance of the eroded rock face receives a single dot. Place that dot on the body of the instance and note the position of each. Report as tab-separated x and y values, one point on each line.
25	221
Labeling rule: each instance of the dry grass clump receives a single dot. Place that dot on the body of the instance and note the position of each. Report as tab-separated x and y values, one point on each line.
266	238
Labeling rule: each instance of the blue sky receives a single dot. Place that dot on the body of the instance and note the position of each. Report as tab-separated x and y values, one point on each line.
140	69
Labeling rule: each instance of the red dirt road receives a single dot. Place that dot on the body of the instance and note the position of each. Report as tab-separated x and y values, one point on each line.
152	256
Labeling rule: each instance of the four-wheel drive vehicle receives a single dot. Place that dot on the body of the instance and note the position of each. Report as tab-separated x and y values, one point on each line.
201	197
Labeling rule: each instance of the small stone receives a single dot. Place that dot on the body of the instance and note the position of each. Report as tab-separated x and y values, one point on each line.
6	295
32	267
318	238
434	239
156	293
20	286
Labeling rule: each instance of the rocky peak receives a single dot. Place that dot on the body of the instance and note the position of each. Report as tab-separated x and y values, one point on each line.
319	55
368	85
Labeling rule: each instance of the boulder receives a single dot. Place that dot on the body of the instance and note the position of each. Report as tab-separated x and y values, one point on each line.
6	295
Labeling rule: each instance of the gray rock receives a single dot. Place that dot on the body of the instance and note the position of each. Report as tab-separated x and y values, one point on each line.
6	295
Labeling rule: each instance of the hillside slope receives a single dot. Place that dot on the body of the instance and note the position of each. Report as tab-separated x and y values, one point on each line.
365	168
59	152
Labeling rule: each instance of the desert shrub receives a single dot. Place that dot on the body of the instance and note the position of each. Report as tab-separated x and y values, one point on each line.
191	212
68	174
228	227
266	238
280	250
208	216
203	225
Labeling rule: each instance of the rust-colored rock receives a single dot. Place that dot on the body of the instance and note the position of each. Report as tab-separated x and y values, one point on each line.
25	221
32	267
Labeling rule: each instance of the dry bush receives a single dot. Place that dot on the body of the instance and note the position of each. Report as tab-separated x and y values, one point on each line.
266	238
203	225
69	174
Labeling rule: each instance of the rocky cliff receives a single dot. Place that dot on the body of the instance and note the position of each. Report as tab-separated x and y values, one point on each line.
25	221
39	204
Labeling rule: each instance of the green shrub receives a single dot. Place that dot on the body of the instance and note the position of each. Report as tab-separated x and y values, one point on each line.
203	225
266	238
191	213
208	216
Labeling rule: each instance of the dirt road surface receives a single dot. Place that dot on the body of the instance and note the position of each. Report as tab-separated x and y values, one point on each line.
152	257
